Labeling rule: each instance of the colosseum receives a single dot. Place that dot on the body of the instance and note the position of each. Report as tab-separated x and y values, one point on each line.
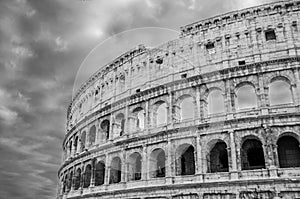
213	114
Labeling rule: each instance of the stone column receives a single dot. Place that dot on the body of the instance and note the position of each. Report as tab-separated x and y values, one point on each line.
199	156
147	116
169	162
123	167
107	170
93	170
111	127
198	105
128	128
145	164
170	109
233	168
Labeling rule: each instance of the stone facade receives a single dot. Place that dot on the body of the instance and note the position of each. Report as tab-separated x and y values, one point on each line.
213	114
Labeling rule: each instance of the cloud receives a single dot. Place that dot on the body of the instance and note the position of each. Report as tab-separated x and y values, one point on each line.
42	44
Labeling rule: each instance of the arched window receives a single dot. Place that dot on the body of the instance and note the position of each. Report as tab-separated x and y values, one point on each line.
77	179
82	141
99	173
187	108
246	97
105	128
120	124
87	176
76	144
70	148
161	114
115	170
280	93
92	135
157	163
215	102
185	162
288	152
135	166
65	183
252	155
70	181
218	158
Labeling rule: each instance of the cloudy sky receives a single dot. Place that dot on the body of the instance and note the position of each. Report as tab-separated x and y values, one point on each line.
44	48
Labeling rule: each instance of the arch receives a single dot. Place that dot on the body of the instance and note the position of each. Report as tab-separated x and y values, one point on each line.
139	118
99	173
288	151
161	113
280	91
76	144
115	170
65	183
87	176
82	141
215	101
92	135
105	128
218	158
70	148
252	154
70	180
135	166
120	124
187	108
77	179
185	160
157	163
246	96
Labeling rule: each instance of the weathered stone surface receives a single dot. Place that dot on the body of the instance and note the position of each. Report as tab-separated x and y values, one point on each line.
132	133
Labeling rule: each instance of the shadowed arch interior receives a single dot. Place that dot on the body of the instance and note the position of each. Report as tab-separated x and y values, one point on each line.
77	179
157	163
288	152
185	162
134	166
218	158
99	173
87	176
115	170
252	154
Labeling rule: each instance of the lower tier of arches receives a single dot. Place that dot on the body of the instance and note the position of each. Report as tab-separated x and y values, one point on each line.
264	188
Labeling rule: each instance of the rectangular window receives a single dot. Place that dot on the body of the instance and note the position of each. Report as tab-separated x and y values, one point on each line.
183	75
270	35
242	62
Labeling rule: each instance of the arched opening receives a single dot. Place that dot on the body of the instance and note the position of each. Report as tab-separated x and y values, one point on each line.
252	155
87	176
105	128
92	135
288	152
215	102
139	119
76	144
246	97
120	125
185	162
135	166
157	163
70	181
82	141
70	148
187	108
65	183
218	158
77	179
161	114
99	173
280	93
115	171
